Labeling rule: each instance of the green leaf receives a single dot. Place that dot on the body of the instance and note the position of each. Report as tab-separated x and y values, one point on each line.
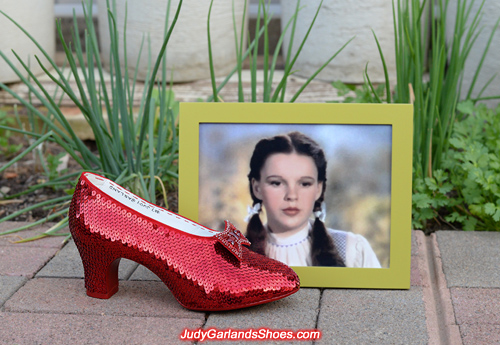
431	183
445	188
342	89
466	107
490	208
427	213
421	200
417	225
470	224
457	143
477	210
456	217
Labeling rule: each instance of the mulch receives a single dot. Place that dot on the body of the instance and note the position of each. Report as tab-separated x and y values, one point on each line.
21	178
28	173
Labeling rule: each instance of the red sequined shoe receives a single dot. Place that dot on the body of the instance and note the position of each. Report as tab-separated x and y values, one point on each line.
204	269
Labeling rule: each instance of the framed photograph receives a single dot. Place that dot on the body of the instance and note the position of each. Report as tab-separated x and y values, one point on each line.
324	188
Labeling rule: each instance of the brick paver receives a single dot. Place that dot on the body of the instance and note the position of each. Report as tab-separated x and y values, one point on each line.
480	334
67	296
298	311
64	329
142	273
68	264
476	306
24	261
372	317
470	259
9	285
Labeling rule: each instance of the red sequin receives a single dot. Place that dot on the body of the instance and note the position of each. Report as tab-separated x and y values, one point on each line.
203	273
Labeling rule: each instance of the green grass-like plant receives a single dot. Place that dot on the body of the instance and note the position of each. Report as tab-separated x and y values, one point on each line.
270	93
432	82
454	169
6	148
137	149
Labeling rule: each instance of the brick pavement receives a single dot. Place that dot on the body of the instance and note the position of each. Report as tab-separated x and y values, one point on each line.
43	301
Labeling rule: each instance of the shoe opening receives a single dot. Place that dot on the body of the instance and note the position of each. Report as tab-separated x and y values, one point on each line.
146	208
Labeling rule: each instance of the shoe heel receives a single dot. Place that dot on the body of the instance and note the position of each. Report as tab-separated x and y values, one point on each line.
102	283
101	273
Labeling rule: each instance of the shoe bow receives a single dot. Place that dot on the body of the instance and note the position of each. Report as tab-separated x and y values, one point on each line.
233	239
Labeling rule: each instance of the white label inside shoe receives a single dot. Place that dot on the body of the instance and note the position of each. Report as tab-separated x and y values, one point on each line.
148	209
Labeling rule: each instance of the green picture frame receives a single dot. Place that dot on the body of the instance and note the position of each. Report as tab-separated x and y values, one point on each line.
397	117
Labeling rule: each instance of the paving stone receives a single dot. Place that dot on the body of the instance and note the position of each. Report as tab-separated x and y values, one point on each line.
68	264
415	274
317	91
476	306
143	273
470	258
24	261
63	329
482	334
46	242
67	296
414	245
295	312
9	285
372	317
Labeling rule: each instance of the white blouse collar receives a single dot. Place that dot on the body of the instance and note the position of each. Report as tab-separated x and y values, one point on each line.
292	249
287	238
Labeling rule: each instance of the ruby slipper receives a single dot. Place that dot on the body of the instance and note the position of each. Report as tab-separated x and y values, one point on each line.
204	269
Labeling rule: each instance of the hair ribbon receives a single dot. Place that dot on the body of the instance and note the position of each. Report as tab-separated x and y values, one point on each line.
252	211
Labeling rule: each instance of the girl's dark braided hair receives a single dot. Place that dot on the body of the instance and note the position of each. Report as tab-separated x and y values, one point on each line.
323	250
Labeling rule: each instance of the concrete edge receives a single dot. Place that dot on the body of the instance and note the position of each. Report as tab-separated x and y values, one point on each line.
440	315
446	304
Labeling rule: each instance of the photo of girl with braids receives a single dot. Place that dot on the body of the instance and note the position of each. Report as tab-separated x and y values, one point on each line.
305	194
287	180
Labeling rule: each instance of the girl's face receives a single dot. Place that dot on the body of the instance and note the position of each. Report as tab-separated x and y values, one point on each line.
288	188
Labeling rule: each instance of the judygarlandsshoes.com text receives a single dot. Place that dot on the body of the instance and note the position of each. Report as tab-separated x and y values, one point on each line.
248	334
